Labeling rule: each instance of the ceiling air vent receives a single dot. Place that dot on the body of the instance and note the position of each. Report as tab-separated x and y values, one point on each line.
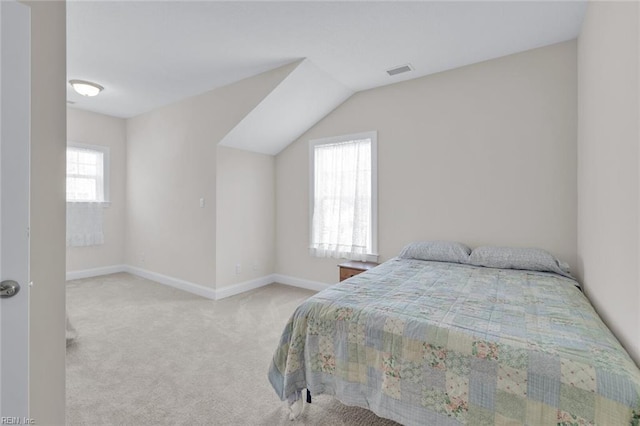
400	69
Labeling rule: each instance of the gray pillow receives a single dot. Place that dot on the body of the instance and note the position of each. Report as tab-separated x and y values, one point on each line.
439	251
530	259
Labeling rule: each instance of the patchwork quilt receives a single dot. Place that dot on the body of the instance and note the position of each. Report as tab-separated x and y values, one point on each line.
434	343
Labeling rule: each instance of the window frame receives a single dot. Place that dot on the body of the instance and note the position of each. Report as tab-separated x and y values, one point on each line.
105	170
373	136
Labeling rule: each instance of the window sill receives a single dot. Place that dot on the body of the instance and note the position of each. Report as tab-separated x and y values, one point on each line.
105	204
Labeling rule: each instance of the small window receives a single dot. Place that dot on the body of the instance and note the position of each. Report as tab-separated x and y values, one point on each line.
87	177
343	201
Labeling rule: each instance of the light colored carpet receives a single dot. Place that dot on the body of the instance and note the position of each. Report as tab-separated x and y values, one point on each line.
148	354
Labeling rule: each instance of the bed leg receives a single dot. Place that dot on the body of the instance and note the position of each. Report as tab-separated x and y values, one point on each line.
296	409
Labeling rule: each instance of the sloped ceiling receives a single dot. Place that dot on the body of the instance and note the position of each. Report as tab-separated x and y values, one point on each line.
303	98
148	54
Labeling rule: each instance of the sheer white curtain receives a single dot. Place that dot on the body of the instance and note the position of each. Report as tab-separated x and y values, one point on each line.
341	222
84	224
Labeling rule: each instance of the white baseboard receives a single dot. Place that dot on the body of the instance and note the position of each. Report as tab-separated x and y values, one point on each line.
95	272
187	286
238	288
234	289
299	282
198	289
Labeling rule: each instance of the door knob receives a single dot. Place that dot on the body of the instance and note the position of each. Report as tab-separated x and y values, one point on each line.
9	288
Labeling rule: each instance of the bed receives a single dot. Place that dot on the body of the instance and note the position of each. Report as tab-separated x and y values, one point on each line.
451	341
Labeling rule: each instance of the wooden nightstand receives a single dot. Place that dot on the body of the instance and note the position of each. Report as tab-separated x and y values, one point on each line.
353	268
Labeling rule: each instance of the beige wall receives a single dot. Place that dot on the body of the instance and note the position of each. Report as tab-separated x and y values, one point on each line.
171	165
484	154
48	150
98	129
608	166
245	216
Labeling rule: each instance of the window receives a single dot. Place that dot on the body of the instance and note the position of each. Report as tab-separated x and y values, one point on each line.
87	177
87	193
343	188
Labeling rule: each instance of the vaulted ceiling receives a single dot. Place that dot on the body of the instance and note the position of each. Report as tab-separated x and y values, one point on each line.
148	54
151	53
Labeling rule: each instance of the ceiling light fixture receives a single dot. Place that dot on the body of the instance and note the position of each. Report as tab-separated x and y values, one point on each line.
86	88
